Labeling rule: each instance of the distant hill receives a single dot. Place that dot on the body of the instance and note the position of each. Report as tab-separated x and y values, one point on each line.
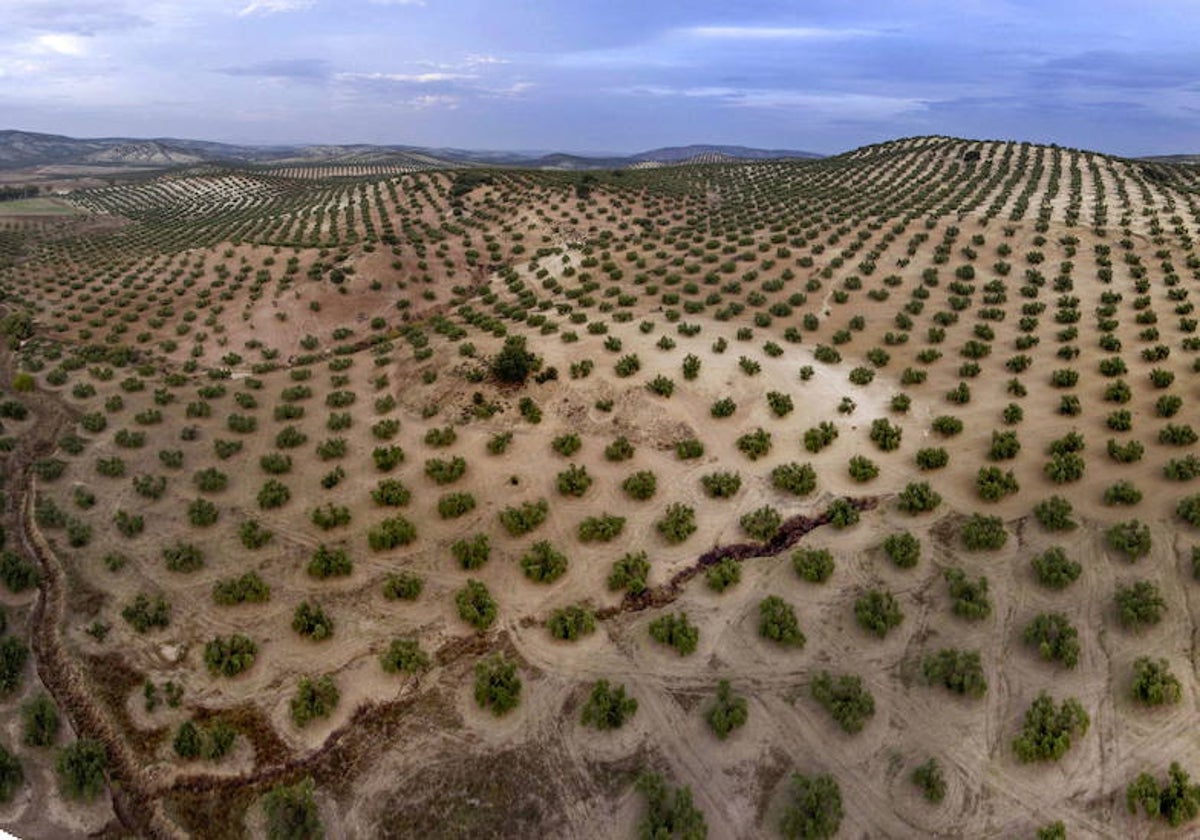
25	149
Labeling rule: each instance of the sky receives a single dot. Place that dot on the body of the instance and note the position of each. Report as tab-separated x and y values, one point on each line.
607	75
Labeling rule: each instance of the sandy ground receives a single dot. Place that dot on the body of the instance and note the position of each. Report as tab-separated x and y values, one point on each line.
578	779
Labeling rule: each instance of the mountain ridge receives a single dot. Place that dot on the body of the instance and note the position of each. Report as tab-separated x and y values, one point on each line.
22	149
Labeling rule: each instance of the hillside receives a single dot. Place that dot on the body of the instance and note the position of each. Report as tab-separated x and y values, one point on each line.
310	461
25	150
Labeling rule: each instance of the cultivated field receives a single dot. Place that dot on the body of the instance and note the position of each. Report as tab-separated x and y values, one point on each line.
378	495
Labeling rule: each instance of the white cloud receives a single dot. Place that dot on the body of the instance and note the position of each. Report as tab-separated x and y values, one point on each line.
775	33
832	105
61	43
405	78
272	7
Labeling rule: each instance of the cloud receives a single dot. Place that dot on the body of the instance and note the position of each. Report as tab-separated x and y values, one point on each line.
300	69
775	33
405	78
273	7
81	17
828	104
62	44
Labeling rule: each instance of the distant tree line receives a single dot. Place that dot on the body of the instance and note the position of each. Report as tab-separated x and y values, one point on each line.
14	193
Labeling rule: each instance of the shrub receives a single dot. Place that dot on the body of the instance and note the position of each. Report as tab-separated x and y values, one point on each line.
1122	493
471	553
947	426
984	533
542	563
390	533
275	463
574	481
797	479
1054	570
918	497
1139	605
762	523
842	513
674	630
931	780
669	813
721	485
13	656
755	445
522	519
292	812
934	458
387	458
39	722
993	483
1005	445
814	808
273	494
1055	514
253	535
903	549
820	436
630	573
404	656
1153	682
403	586
571	623
476	605
497	686
607	707
777	622
604	528
514	363
329	562
330	516
146	613
229	655
862	468
1176	801
183	557
566	445
391	492
728	712
1054	638
1049	728
619	450
780	404
247	589
723	574
959	671
970	598
81	766
312	622
454	505
878	612
1182	469
439	438
314	699
1131	539
885	435
814	565
17	573
640	485
845	698
677	523
444	471
1126	453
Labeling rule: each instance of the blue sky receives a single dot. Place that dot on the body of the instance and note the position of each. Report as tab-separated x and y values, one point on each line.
607	75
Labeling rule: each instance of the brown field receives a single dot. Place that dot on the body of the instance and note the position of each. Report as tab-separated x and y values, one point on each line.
186	321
